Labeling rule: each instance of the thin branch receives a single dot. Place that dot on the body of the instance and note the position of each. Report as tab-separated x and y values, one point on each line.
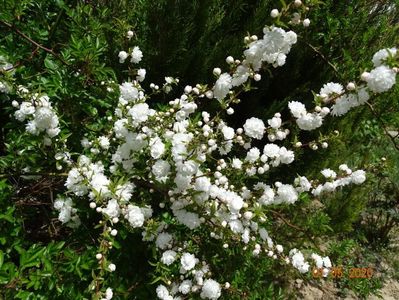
392	138
280	216
8	175
23	35
322	57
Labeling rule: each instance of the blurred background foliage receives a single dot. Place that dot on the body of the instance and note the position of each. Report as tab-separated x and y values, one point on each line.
79	42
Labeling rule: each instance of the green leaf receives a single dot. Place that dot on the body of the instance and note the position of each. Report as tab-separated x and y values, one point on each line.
1	258
50	64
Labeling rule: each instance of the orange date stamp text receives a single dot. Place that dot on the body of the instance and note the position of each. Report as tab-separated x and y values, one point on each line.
341	272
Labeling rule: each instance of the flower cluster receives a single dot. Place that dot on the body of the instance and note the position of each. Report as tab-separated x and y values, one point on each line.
41	116
185	156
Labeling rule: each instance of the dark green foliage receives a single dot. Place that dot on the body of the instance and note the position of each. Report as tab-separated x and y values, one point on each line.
187	39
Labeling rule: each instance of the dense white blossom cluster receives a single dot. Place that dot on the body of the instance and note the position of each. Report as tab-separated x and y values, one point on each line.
171	152
67	214
381	79
41	116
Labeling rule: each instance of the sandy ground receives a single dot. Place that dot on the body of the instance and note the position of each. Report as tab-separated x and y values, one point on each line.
327	291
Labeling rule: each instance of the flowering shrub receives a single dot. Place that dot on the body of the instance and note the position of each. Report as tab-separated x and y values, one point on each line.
178	173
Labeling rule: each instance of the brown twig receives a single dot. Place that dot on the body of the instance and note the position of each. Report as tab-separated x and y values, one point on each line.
280	216
27	38
382	123
322	57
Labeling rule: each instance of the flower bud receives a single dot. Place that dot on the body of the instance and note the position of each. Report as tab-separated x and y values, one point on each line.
274	13
365	76
297	3
351	86
217	71
230	59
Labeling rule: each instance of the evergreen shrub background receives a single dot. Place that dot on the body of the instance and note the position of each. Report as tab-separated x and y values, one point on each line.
40	259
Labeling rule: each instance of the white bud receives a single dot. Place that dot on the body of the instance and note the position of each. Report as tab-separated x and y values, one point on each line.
112	267
274	13
257	77
324	145
297	3
217	71
229	59
130	34
306	23
99	256
298	144
188	89
351	86
92	205
209	94
230	111
365	76
114	232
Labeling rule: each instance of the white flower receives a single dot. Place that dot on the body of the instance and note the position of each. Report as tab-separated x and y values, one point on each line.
286	156
298	261
137	55
122	56
274	122
161	170
222	86
228	132
253	155
254	128
342	105
163	293
240	75
141	75
327	262
135	216
190	219
236	163
112	210
303	184
157	147
328	173
271	150
124	192
185	287
188	261
297	109
202	184
128	91
108	294
140	112
332	88
163	240
99	182
104	142
381	79
210	290
358	177
309	121
168	257
381	55
286	194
